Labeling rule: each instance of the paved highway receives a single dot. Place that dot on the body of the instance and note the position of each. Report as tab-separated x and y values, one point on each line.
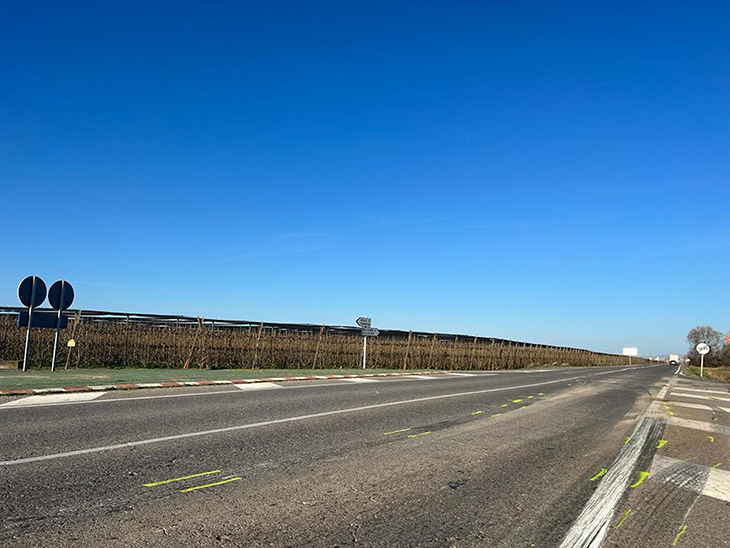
513	458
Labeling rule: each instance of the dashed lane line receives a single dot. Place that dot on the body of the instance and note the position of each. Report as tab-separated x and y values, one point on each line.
163	439
699	425
257	386
31	401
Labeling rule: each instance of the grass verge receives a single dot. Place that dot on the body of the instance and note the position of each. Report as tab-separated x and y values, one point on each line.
721	374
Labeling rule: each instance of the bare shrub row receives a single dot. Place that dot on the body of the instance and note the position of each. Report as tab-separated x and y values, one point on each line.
108	344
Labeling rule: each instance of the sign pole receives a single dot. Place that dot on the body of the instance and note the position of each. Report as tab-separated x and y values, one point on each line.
364	351
702	363
58	326
30	324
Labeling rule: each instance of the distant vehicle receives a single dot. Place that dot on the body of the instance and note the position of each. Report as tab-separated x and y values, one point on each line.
674	359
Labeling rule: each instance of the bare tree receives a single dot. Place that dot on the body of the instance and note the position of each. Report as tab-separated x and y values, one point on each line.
712	337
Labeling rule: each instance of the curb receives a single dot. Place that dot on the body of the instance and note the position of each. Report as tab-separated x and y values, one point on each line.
179	384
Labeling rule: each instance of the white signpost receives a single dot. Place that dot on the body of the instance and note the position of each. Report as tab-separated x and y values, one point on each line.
702	349
367	331
631	352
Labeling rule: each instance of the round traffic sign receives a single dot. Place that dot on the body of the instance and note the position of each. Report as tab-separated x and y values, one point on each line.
30	293
54	295
703	348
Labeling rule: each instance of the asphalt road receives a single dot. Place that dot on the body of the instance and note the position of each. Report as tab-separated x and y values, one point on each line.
500	459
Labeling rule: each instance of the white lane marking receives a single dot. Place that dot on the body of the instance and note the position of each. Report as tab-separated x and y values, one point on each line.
680	389
358	380
53	398
291	419
662	393
419	377
706	398
726	409
257	386
690	405
461	374
699	425
150	385
716	486
591	527
678	368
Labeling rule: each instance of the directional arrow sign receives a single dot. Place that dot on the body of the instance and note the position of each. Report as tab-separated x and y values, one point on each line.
370	332
364	322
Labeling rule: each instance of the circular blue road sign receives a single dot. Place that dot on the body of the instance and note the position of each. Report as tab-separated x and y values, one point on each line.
30	293
54	295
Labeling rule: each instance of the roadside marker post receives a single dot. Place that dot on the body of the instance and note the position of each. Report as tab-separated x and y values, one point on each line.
367	331
32	293
702	349
60	295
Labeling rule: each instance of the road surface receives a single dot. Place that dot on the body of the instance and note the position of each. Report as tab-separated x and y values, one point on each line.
514	458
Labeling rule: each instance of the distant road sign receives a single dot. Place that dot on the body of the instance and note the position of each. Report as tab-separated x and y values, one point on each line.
61	287
370	332
27	288
703	348
364	322
71	343
631	351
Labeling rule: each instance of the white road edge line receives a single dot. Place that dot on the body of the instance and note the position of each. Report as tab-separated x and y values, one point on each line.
92	450
51	399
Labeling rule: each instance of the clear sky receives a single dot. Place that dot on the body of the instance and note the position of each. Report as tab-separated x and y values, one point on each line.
550	172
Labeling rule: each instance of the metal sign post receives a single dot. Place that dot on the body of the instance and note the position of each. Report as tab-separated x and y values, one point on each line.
367	331
32	293
61	295
702	349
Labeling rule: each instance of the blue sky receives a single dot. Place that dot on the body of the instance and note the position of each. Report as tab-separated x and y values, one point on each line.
550	172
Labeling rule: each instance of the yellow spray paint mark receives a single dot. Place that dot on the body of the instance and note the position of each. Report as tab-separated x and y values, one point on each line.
661	443
627	440
541	394
419	434
229	480
671	413
601	473
505	405
496	414
516	401
711	438
522	407
681	532
163	482
396	431
718	464
530	397
620	523
642	476
477	412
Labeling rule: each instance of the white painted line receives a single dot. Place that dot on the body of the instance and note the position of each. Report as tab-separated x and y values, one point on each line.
680	389
678	472
678	368
257	386
461	374
706	398
591	527
419	377
690	405
33	401
290	419
699	425
357	380
726	409
150	385
662	393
